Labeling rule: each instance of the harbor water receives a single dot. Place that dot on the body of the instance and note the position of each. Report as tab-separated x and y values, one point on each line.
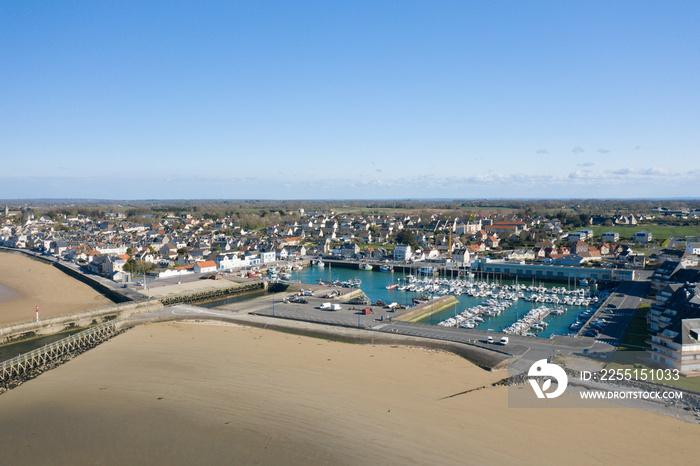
374	284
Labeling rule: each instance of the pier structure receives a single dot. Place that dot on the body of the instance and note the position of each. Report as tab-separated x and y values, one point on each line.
21	365
437	268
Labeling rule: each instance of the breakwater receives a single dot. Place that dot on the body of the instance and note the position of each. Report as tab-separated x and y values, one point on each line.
213	295
425	310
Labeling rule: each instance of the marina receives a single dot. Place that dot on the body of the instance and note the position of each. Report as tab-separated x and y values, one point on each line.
537	309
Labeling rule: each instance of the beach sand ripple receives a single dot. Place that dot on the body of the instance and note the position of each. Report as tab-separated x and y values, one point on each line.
180	393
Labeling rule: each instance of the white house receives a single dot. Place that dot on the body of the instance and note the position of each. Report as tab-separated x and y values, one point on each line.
269	256
205	267
521	254
693	248
402	252
114	264
229	261
643	237
576	236
461	256
282	253
610	237
467	228
252	259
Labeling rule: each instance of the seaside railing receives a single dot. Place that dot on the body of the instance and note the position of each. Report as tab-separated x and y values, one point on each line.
23	363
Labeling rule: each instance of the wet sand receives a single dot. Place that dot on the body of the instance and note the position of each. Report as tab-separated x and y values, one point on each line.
27	283
187	393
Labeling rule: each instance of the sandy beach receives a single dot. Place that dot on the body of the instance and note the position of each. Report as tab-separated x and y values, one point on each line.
28	283
191	393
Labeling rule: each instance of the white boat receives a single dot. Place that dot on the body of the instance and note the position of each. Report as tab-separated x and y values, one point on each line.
320	263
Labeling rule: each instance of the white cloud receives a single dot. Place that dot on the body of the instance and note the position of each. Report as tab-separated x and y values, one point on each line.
624	182
653	171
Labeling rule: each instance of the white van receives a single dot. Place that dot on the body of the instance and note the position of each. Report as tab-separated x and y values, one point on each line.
504	341
489	339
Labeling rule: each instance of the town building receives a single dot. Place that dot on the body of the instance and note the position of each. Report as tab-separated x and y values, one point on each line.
402	252
610	237
676	329
643	237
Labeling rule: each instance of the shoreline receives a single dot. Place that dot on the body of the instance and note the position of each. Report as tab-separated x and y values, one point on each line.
40	284
222	393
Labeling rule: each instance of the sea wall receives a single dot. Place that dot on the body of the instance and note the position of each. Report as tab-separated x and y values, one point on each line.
212	295
110	293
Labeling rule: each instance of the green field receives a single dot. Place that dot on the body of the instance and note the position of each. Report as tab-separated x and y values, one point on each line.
658	231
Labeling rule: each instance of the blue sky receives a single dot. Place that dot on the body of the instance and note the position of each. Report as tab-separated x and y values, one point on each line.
349	99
